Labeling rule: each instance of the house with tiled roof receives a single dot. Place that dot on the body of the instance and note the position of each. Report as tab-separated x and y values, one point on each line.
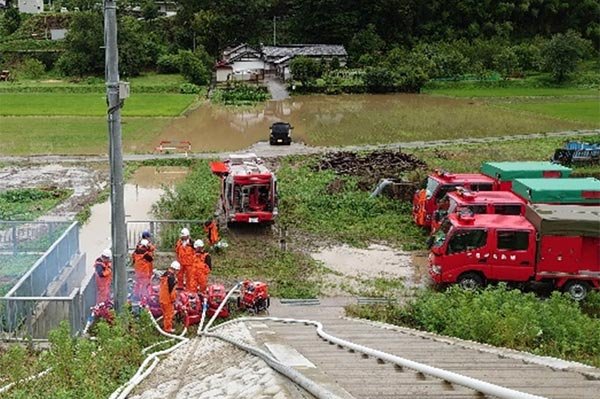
243	62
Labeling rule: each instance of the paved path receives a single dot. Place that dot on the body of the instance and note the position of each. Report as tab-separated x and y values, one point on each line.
276	88
264	150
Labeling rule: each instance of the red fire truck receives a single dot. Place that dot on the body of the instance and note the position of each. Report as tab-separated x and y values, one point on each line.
491	202
558	245
494	176
438	184
248	189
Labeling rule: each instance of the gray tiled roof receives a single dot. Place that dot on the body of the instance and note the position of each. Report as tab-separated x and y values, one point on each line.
314	50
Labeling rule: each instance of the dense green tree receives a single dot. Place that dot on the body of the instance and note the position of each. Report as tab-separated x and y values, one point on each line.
192	68
378	80
150	10
506	62
563	52
11	20
367	41
84	41
305	70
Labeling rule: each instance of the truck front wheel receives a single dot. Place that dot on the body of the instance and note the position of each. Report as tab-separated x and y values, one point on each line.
470	281
578	290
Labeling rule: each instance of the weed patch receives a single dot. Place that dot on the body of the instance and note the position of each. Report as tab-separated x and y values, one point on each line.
240	94
348	215
557	326
29	203
81	368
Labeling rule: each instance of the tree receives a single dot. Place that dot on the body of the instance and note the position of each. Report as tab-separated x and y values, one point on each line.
12	20
84	53
367	41
506	62
192	68
378	80
562	53
304	69
149	10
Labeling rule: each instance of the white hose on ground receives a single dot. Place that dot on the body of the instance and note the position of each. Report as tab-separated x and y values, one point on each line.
204	309
30	378
298	378
213	318
444	375
146	349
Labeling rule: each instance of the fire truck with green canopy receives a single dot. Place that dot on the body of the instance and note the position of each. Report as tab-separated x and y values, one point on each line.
506	172
584	191
554	245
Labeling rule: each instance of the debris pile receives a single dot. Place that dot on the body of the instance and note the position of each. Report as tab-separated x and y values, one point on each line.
371	167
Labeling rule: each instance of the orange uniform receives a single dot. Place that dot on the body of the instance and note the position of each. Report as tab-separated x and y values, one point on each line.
212	232
103	272
142	265
166	298
185	256
200	271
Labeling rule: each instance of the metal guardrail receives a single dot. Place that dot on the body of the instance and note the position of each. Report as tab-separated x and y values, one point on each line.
165	232
32	237
25	310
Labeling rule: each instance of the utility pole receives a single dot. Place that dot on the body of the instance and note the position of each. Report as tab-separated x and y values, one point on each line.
274	31
114	97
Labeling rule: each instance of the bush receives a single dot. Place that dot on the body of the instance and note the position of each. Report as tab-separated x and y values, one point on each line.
240	93
32	69
305	70
192	68
500	316
168	63
379	80
189	88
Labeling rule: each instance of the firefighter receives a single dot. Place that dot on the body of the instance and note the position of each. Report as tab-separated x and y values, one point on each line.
103	272
167	295
142	264
212	232
146	235
200	268
185	256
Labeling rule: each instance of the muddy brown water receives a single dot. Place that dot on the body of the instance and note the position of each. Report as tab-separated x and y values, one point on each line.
216	128
141	192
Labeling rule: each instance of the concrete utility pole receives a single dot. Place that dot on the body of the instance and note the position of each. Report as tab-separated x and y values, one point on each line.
118	233
274	31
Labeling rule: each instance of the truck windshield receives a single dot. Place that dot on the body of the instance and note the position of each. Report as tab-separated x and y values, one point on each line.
432	184
440	235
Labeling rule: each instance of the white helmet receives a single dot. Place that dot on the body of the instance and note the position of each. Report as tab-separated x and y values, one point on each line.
107	253
144	243
198	244
185	232
175	265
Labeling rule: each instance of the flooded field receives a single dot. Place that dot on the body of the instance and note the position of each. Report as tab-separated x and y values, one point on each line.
321	120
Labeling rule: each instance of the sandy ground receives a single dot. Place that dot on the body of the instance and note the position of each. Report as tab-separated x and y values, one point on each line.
210	368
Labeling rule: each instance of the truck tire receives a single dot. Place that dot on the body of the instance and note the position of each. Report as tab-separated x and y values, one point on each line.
578	290
470	281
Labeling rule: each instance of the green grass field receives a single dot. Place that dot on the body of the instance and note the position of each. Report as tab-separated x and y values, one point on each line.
62	104
74	135
580	111
511	91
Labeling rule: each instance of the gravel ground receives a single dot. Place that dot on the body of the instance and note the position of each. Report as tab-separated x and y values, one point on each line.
210	368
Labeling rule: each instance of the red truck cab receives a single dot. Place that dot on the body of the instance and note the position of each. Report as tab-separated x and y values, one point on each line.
554	244
483	202
248	189
437	185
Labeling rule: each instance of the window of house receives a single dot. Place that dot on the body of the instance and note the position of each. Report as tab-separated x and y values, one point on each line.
508	209
513	240
465	240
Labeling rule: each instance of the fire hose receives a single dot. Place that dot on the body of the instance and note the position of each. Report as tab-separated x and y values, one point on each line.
483	387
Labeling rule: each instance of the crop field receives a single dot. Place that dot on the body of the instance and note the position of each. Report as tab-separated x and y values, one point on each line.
91	104
74	135
587	111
